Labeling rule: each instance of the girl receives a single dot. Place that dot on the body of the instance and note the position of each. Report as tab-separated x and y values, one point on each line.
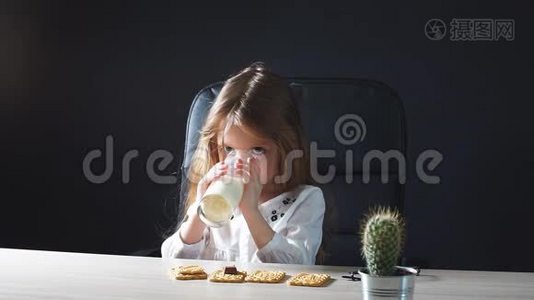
280	216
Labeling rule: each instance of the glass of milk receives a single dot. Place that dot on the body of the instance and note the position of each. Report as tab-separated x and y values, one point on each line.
222	197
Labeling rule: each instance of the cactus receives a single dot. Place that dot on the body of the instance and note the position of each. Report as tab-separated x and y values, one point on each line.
382	241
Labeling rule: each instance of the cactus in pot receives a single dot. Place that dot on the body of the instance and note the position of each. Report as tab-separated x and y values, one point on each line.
382	241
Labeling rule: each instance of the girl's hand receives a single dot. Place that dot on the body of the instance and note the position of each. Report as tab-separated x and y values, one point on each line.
218	170
253	185
192	228
260	230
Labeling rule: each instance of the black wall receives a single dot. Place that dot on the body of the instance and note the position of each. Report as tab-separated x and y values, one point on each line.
72	73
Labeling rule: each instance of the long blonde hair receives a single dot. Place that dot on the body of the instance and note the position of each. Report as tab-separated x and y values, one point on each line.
262	101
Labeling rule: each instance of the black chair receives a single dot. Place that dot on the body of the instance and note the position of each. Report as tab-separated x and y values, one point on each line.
322	103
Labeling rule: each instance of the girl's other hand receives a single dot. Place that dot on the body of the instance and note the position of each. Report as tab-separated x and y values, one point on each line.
253	185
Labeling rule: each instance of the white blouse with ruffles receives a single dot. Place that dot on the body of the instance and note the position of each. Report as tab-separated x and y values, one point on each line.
296	217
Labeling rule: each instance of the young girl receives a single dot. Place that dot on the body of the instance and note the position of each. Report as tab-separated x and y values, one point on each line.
280	216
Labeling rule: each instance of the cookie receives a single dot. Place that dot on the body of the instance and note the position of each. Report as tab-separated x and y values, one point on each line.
219	276
188	273
190	270
266	276
309	279
190	276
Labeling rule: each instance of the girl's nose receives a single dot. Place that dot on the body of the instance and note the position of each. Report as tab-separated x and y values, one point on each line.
243	155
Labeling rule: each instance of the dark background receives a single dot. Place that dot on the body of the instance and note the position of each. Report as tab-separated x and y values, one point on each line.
73	72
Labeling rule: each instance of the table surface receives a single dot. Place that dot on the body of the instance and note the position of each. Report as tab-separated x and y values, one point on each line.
32	274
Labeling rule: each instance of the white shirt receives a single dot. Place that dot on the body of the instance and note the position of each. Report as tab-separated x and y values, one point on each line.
296	217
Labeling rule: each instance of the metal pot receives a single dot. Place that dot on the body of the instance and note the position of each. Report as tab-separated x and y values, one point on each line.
389	287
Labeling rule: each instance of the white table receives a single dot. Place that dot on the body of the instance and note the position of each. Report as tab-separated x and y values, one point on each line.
31	274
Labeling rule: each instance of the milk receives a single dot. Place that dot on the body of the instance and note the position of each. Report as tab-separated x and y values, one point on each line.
220	200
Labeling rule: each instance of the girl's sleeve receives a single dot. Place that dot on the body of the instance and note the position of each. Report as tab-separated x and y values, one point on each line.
298	241
174	246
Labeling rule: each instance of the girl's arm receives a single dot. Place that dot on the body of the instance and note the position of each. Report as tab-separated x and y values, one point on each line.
187	241
191	231
298	237
261	231
298	240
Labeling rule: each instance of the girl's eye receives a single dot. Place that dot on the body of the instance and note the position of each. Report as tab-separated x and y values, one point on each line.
228	149
258	151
